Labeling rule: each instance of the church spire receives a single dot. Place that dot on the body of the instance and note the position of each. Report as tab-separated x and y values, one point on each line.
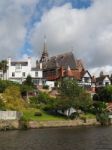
44	56
45	44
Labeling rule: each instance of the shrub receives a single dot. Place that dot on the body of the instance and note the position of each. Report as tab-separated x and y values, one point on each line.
33	101
43	98
102	118
45	87
38	114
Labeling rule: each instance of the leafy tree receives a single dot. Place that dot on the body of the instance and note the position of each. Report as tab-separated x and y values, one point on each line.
105	94
72	95
3	66
2	104
85	101
28	81
13	100
69	88
5	83
43	98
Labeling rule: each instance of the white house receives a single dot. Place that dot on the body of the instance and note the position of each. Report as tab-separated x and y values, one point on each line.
19	70
102	81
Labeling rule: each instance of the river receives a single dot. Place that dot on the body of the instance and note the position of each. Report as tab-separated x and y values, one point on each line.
77	138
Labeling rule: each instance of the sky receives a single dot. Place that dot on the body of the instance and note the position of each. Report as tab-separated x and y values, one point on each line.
81	26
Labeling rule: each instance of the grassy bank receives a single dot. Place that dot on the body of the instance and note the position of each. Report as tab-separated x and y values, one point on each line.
29	114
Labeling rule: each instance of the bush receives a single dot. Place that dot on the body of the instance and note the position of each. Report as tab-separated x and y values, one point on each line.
43	98
45	87
38	114
2	105
34	101
102	118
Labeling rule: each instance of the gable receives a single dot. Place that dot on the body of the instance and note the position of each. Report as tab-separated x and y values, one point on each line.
86	75
106	79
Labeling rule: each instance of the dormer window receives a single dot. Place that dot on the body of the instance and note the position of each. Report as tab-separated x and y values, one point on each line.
18	66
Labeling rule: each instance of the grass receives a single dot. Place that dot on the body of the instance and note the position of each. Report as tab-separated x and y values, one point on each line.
88	116
29	115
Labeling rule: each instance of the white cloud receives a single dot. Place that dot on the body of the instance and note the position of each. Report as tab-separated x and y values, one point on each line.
14	14
88	31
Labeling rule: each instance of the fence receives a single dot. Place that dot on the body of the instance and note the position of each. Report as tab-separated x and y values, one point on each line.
10	115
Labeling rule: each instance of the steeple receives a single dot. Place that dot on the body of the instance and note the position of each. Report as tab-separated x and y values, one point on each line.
44	56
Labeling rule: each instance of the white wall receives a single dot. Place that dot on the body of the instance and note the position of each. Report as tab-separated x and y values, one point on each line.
106	80
10	115
24	69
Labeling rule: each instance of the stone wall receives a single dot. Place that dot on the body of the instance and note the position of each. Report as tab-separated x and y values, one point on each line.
64	123
9	124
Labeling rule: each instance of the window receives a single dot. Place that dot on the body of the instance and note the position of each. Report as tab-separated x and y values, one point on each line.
13	74
18	66
36	74
23	74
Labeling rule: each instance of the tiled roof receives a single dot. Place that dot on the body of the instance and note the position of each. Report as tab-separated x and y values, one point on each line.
65	60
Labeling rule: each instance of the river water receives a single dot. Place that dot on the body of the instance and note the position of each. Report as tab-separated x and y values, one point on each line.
78	138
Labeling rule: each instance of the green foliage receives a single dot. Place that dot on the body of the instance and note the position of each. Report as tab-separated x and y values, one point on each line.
72	95
28	81
2	105
13	100
29	114
5	83
85	102
99	107
103	118
105	94
43	98
34	101
69	88
3	65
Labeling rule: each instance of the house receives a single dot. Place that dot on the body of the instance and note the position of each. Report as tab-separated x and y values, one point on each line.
19	70
87	81
59	66
102	81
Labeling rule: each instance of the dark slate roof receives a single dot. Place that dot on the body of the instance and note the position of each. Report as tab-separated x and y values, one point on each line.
22	63
100	79
63	60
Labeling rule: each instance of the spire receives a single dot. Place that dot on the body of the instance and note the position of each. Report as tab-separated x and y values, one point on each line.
45	44
44	56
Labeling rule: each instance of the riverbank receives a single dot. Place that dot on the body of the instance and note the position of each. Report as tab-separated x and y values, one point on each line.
15	124
62	123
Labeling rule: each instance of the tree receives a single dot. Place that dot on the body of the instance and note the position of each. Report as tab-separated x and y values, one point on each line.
72	95
2	104
69	88
3	66
28	81
12	98
105	94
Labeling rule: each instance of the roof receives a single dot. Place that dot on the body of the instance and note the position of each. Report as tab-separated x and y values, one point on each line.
62	60
34	69
101	78
22	63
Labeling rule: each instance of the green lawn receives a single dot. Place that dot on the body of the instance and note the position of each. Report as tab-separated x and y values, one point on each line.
29	115
88	116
